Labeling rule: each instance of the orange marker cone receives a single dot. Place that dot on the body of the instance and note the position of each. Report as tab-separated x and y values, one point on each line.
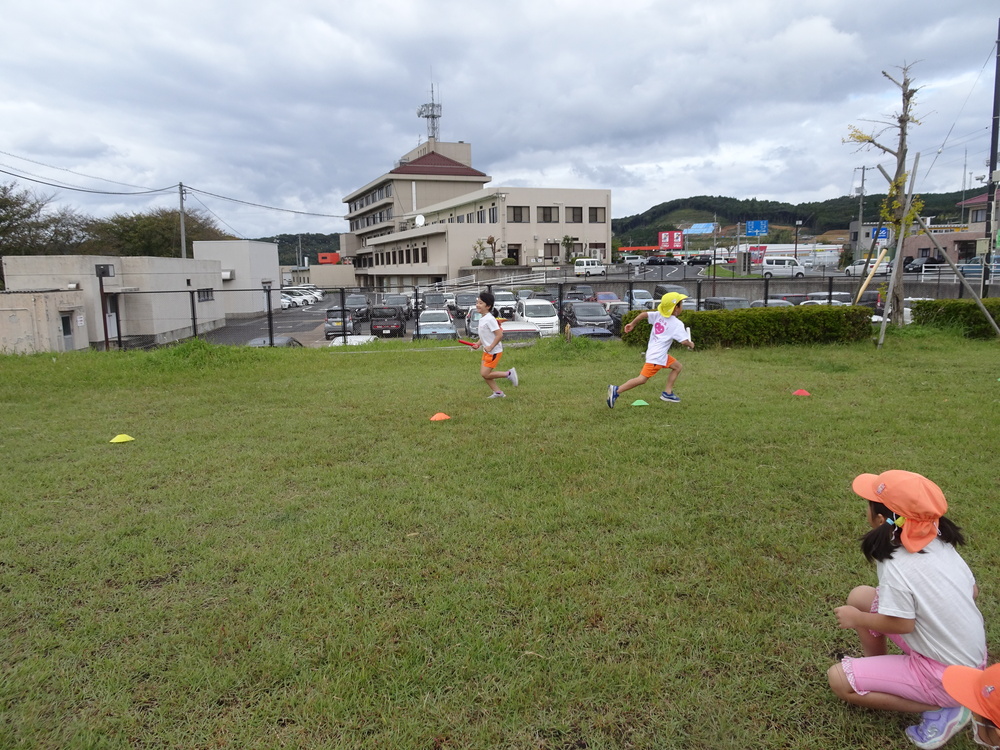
440	417
801	392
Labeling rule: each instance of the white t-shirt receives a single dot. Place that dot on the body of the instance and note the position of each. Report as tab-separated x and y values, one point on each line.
666	330
488	328
935	589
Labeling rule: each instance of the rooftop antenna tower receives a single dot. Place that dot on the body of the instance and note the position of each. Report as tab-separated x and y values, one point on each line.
432	113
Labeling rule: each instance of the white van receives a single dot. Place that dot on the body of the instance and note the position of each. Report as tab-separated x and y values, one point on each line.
633	260
782	266
589	267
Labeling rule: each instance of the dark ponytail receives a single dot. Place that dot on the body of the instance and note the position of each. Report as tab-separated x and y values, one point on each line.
879	543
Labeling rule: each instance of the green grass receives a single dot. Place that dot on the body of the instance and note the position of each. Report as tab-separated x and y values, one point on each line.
291	554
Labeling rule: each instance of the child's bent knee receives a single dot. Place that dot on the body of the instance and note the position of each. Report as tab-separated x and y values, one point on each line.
861	597
839	684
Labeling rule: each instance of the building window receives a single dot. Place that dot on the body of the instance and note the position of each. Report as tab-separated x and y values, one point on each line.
574	215
551	250
206	295
598	215
423	255
493	214
469	216
481	216
408	256
460	219
548	214
518	214
977	216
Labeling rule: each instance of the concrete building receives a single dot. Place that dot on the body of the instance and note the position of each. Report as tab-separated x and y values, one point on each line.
429	217
146	301
246	266
53	320
961	242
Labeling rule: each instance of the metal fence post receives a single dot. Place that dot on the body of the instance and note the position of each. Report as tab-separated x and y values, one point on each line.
194	315
270	313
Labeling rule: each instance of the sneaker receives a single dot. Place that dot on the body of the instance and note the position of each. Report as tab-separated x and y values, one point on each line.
937	727
612	396
512	377
673	398
497	394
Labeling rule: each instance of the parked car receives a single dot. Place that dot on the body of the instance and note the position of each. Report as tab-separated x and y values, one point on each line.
770	303
262	341
831	302
845	297
589	267
358	305
585	289
606	298
590	332
539	313
861	268
633	260
303	298
724	303
794	297
916	265
435	324
640	299
463	301
287	302
525	293
433	301
399	300
312	288
338	321
662	289
700	260
663	260
472	318
616	311
387	321
585	314
519	330
504	302
782	266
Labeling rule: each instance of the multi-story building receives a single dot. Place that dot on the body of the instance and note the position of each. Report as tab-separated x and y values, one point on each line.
431	215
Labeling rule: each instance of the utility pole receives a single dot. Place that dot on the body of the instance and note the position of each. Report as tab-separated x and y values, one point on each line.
180	189
991	180
861	214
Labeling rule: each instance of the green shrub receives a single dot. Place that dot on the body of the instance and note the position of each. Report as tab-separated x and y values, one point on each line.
489	262
509	262
765	326
961	313
477	261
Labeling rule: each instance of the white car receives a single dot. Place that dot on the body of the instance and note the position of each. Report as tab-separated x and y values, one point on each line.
301	297
640	299
287	302
862	267
315	294
540	312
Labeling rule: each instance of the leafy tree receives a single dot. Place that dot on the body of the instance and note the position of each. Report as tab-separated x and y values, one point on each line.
567	243
312	244
154	233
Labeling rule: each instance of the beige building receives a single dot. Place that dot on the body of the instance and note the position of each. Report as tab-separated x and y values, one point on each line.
429	217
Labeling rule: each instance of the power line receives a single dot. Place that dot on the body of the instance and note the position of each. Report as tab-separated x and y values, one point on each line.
260	205
80	189
78	174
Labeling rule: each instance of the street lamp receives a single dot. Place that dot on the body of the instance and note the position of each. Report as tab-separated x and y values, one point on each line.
798	223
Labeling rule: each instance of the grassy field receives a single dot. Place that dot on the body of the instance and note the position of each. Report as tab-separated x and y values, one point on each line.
291	554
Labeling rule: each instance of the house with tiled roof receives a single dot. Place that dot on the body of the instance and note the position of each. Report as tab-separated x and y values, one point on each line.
426	219
961	241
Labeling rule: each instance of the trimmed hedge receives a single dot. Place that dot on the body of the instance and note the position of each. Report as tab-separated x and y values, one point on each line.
963	313
767	326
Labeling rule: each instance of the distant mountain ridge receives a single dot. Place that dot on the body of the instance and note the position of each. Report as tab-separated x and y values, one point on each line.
817	218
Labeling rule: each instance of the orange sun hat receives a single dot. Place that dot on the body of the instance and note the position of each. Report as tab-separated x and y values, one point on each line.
913	496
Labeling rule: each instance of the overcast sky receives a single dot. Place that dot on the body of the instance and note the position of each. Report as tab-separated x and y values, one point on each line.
295	104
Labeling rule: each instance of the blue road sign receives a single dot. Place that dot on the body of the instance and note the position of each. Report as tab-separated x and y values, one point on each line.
756	228
883	234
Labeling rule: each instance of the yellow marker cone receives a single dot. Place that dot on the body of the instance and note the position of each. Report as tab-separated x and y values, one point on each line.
122	439
440	417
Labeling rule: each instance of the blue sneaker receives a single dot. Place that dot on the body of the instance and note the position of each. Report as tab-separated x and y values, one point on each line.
612	396
937	727
672	398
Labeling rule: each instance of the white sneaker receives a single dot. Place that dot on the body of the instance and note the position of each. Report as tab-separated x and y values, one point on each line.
512	377
497	394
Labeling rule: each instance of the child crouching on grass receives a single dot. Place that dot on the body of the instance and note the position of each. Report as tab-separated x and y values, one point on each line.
667	328
925	603
491	342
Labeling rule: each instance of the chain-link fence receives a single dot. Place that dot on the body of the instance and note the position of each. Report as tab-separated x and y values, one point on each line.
313	317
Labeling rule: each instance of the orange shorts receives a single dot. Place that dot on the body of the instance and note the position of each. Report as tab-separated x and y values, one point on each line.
491	360
649	369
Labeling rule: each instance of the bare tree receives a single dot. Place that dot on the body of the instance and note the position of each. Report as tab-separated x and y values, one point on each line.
894	210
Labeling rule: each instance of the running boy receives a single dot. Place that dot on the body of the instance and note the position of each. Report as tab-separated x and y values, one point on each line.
491	342
667	328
